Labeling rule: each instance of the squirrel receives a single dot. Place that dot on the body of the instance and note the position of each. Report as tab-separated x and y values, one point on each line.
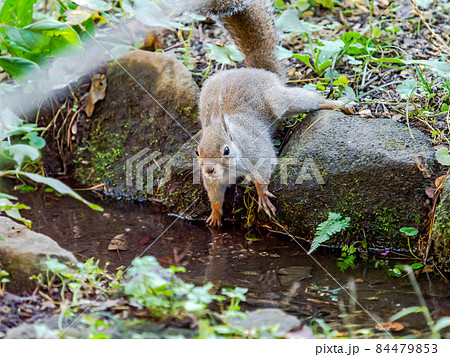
240	107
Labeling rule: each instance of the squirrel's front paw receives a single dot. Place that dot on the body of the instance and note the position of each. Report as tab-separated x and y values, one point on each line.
214	219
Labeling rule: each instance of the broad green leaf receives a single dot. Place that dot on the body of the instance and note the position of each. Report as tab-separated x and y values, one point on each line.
442	66
304	59
147	12
12	210
409	231
416	266
17	13
97	5
18	67
445	107
407	88
290	22
441	323
442	156
18	152
9	197
62	36
35	140
405	312
9	122
225	54
57	185
40	39
284	53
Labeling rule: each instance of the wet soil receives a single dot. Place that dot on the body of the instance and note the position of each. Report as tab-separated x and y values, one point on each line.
275	269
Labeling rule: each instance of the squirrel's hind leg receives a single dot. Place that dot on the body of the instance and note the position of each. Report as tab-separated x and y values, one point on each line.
263	199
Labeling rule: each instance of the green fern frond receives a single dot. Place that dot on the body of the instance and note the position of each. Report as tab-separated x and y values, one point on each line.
334	224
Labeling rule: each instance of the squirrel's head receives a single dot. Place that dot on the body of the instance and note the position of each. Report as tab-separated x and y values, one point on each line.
217	152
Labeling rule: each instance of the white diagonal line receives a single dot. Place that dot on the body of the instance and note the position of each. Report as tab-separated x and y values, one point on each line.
128	73
117	278
329	274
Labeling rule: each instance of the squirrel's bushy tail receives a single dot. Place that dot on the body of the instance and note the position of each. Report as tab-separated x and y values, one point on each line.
252	26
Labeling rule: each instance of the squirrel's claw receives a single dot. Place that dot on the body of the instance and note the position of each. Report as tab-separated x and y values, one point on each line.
214	220
265	204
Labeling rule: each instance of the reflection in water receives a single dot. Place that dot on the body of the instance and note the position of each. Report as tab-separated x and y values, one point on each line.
274	269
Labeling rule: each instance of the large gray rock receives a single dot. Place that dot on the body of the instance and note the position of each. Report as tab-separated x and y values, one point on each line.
150	104
366	169
441	228
23	253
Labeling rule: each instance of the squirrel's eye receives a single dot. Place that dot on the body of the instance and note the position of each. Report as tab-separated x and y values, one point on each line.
226	151
196	151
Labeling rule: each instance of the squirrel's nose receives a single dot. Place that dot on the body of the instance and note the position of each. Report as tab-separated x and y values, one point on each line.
209	169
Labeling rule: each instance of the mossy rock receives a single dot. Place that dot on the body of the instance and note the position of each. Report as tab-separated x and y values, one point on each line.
441	228
150	108
366	169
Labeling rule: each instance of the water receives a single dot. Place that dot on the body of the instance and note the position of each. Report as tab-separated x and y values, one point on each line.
275	268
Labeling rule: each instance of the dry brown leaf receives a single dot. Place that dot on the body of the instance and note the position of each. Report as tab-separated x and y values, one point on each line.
96	92
153	41
438	182
145	240
119	242
390	326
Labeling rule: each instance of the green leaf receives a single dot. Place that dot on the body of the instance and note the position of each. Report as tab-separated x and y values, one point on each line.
17	13
406	312
416	266
407	88
57	185
9	197
442	156
290	22
18	152
304	59
445	107
17	67
225	54
409	231
62	36
12	210
35	140
97	5
284	53
441	323
334	224
147	12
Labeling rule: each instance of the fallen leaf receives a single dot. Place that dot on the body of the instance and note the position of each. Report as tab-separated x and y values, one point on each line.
154	41
119	242
96	92
366	113
145	240
390	326
166	261
438	182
